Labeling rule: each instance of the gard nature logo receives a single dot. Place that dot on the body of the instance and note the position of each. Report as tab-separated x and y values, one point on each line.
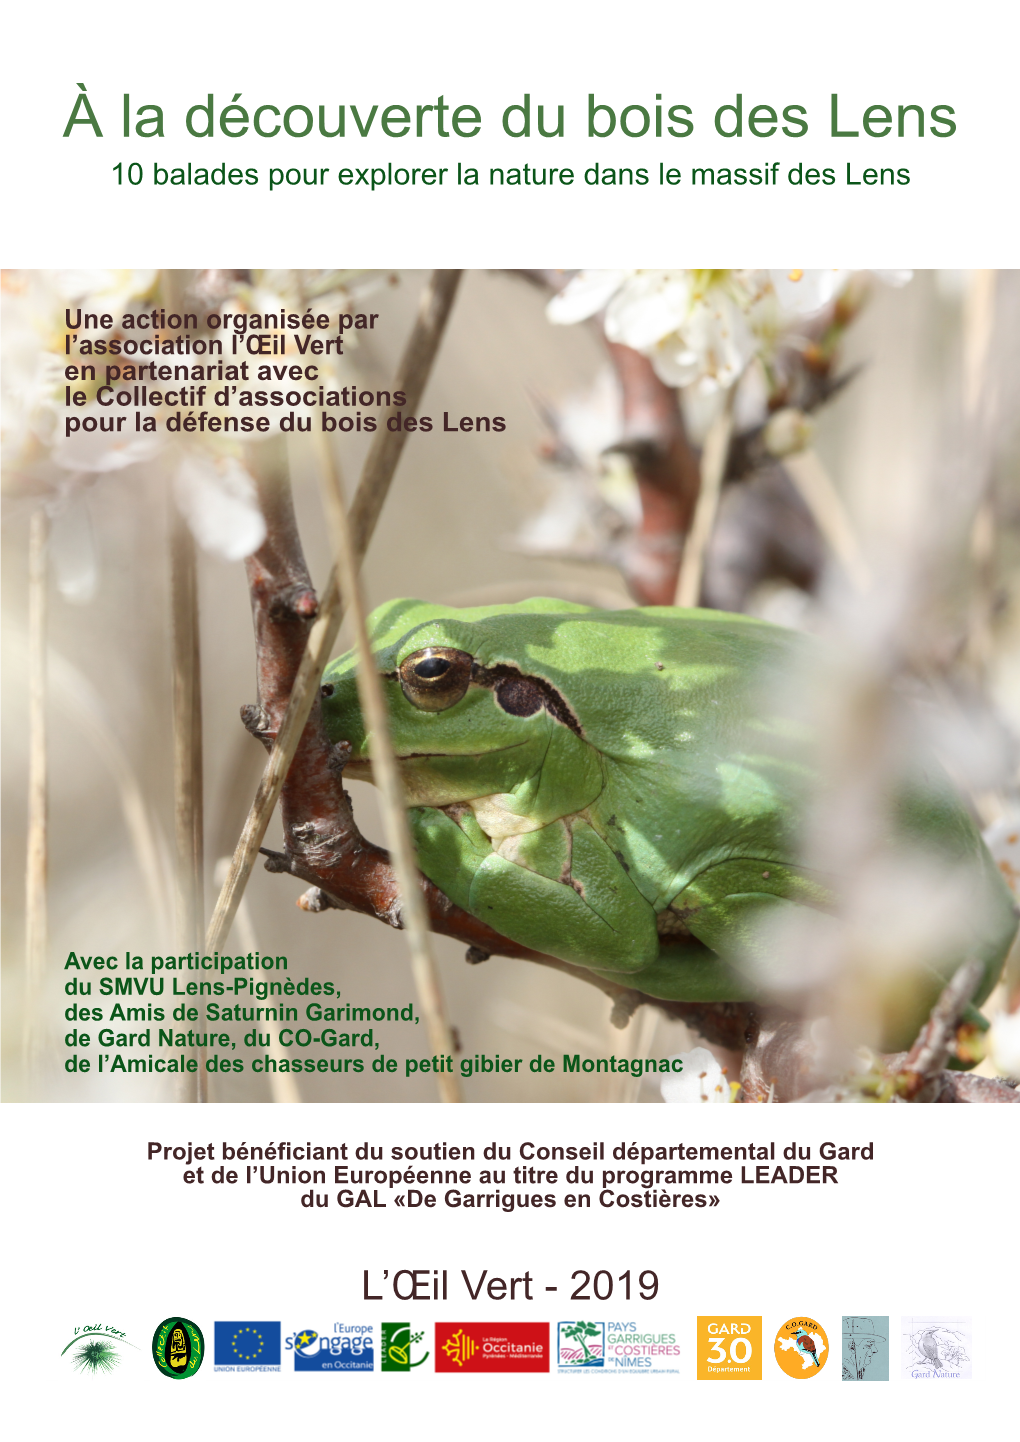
399	1348
348	1348
729	1349
580	1346
95	1350
178	1347
936	1349
492	1347
802	1348
865	1349
247	1347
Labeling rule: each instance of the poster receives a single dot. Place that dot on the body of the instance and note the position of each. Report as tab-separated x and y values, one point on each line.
597	1124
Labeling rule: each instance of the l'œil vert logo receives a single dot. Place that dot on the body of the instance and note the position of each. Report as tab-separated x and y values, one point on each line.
96	1349
178	1347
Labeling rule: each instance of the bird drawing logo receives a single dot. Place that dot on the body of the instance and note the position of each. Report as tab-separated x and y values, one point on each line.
806	1345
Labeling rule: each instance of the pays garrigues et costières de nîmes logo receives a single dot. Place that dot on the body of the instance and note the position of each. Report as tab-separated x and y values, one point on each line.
178	1347
581	1344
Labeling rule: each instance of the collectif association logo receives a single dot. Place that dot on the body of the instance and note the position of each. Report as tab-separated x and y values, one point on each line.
247	1347
178	1347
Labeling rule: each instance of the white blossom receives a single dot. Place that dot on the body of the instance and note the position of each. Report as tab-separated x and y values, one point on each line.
701	327
702	1079
216	496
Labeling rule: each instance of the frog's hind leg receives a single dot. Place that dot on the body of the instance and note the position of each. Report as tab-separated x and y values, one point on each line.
588	911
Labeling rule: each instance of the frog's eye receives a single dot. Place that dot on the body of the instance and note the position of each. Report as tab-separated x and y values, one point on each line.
436	677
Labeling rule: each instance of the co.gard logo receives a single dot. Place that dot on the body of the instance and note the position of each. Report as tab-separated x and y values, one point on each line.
802	1348
178	1347
729	1349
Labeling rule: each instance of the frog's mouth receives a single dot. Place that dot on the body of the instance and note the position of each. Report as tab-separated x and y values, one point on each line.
361	768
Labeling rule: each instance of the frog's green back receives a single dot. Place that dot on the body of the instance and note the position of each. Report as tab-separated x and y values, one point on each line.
677	745
696	770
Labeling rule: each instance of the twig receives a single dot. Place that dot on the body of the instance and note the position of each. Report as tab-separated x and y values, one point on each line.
385	774
38	842
919	1075
713	468
187	740
380	465
829	514
665	468
283	1087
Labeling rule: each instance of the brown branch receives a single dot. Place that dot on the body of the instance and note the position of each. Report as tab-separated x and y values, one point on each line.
298	693
666	470
784	1062
919	1075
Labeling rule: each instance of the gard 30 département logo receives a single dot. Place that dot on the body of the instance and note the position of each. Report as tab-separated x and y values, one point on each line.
729	1349
178	1347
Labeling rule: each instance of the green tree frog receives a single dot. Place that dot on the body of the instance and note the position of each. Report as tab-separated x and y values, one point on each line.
601	786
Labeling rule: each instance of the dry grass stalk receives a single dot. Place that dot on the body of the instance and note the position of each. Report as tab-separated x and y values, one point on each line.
74	695
283	1087
385	773
823	501
187	742
412	375
979	407
713	468
38	840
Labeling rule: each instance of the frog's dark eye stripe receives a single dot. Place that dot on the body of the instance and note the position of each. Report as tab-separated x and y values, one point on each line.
521	695
435	678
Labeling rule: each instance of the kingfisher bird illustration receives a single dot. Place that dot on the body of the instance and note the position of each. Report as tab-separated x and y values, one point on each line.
806	1343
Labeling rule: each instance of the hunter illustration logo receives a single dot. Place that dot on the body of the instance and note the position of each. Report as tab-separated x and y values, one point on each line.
178	1347
865	1349
802	1348
581	1344
397	1348
97	1349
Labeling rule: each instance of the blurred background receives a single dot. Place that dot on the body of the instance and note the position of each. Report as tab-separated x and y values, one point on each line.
869	488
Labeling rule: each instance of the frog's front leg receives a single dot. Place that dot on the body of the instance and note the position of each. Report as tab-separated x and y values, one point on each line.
559	889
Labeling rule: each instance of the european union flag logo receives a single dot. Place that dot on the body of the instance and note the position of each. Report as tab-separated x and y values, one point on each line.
247	1345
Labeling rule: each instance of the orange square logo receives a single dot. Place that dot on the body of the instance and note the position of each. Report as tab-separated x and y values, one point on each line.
729	1349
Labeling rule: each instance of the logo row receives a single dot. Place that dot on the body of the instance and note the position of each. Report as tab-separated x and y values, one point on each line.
728	1348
